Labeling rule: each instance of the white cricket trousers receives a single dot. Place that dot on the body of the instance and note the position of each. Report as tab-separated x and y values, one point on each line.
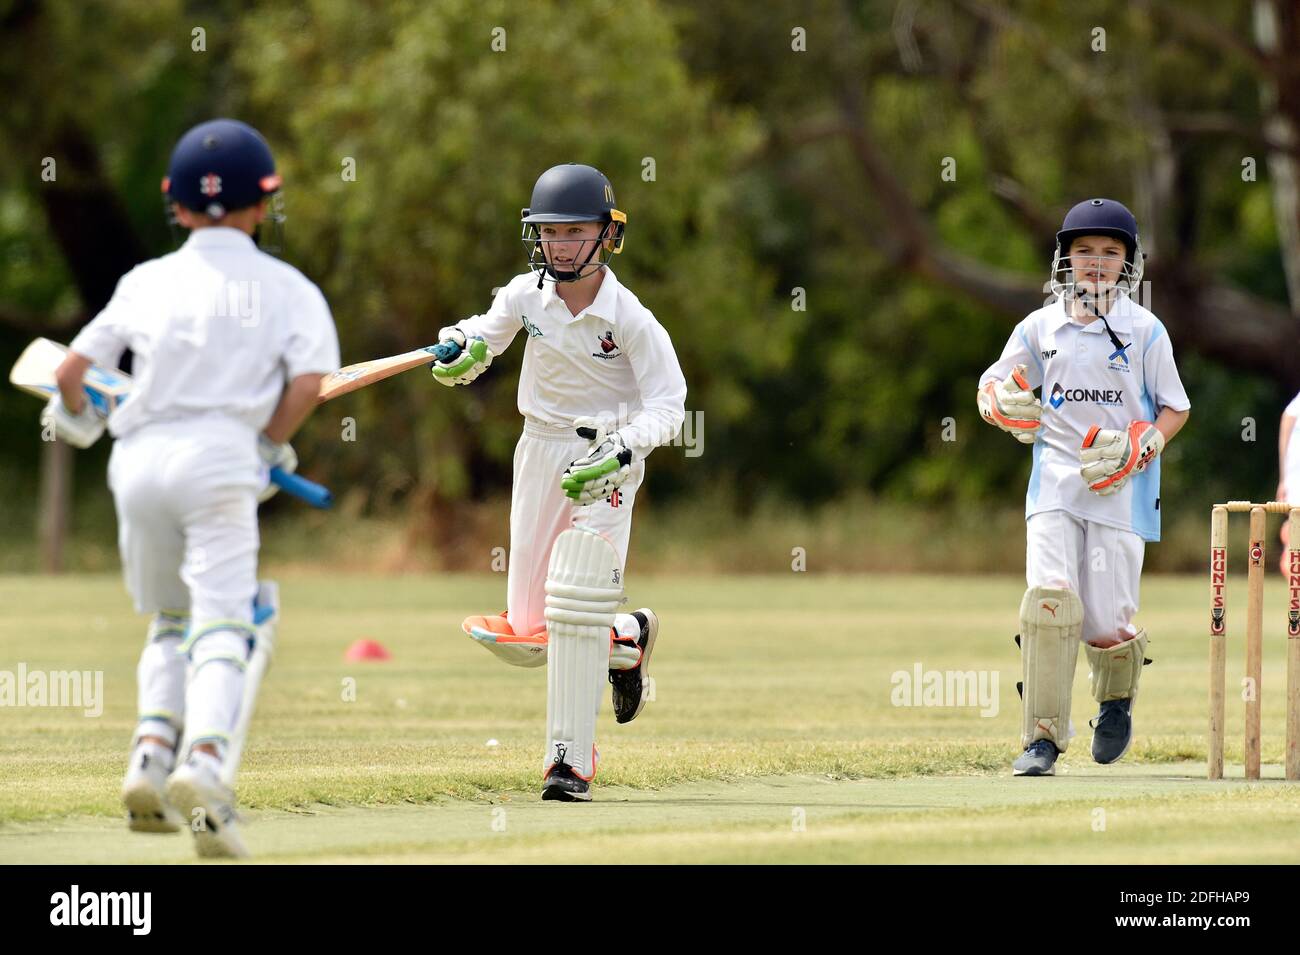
186	496
1102	564
539	513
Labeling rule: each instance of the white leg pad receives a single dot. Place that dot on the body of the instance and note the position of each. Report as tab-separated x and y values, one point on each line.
1051	624
160	677
584	588
266	615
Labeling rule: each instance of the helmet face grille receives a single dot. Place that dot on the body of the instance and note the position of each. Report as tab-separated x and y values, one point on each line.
1064	282
603	249
572	193
1104	217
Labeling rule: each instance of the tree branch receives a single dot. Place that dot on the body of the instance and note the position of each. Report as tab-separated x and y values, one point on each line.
1214	320
1193	26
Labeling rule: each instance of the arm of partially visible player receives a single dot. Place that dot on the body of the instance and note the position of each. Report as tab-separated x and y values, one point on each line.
1284	432
661	385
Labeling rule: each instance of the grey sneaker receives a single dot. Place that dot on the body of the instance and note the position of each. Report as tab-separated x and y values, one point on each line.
1112	731
1038	760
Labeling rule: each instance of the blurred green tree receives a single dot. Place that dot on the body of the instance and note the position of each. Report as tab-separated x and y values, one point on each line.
831	294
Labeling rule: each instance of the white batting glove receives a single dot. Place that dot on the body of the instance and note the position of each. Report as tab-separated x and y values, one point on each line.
80	430
473	359
1011	406
1109	458
274	455
605	467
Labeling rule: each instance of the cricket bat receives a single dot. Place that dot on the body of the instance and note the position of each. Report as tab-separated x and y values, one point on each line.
354	377
107	388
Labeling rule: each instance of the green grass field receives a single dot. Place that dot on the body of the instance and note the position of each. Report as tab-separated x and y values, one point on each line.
773	735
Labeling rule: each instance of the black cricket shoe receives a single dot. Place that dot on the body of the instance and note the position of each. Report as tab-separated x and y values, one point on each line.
632	687
563	785
1038	760
1112	730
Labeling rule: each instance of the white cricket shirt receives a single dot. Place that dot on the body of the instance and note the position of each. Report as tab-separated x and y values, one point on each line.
612	360
217	327
1086	381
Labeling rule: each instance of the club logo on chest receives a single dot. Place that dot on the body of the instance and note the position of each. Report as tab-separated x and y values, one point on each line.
608	347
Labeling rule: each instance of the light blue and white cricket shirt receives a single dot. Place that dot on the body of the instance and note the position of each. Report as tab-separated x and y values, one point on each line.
1086	381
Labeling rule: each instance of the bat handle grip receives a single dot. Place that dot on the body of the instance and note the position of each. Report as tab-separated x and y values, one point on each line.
314	494
445	351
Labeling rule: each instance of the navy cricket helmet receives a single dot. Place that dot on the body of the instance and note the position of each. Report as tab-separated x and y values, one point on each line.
220	166
572	193
1098	217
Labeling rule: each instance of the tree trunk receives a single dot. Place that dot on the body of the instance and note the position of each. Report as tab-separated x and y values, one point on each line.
53	507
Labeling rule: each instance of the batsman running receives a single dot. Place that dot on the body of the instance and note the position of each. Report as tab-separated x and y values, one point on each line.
229	345
1111	400
600	388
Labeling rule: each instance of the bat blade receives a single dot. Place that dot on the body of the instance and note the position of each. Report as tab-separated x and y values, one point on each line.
354	377
33	373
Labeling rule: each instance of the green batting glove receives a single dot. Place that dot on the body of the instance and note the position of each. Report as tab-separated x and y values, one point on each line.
598	475
473	360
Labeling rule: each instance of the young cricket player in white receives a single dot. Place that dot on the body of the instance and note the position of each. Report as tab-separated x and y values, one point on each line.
1111	400
600	389
229	347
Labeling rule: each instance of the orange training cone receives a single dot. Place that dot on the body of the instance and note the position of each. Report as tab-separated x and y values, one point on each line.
366	650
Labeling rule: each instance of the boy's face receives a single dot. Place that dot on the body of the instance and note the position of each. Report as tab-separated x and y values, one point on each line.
1097	262
567	243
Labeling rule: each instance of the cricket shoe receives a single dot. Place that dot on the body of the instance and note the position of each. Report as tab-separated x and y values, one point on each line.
144	790
197	792
632	686
564	785
1112	730
1038	760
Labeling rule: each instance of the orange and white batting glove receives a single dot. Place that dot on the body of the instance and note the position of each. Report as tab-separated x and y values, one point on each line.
1108	458
1011	406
